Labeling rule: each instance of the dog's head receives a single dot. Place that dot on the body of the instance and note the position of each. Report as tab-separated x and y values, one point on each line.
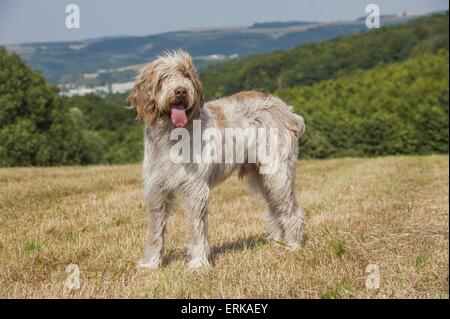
168	89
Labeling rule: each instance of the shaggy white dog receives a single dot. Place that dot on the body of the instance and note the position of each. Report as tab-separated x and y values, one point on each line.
169	95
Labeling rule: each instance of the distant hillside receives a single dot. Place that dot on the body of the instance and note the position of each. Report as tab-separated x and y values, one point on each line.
280	24
315	62
396	108
103	60
377	93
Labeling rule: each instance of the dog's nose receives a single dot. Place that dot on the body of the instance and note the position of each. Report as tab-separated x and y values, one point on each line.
180	91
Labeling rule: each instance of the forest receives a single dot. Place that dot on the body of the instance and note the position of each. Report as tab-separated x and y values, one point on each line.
382	92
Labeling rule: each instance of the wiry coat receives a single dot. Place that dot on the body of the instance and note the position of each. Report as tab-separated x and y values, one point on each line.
192	182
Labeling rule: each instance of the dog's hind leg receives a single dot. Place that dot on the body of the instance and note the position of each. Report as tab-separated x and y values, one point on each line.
195	200
286	214
249	172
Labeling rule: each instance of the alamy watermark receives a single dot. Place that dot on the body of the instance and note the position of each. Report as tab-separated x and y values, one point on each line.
73	17
72	281
373	278
238	145
373	19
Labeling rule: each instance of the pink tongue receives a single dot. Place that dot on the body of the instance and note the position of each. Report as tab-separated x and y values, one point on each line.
178	116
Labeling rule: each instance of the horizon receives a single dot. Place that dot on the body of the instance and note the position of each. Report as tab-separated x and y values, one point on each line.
51	29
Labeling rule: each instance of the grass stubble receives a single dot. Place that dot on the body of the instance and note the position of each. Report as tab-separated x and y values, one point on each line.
390	211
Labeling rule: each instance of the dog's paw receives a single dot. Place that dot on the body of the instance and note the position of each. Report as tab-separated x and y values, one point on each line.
289	246
274	237
198	263
292	246
148	264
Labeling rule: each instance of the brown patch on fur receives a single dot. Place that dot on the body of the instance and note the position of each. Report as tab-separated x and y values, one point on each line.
245	169
245	95
218	114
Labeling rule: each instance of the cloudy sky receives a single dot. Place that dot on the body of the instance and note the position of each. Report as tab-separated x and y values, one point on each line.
44	20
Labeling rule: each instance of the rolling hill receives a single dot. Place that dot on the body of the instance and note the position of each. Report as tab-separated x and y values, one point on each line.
312	63
378	93
116	59
395	108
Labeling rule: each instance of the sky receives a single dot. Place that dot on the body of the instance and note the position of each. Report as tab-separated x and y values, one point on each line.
44	20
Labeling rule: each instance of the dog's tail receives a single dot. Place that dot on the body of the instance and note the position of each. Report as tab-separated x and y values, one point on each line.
299	122
296	123
286	114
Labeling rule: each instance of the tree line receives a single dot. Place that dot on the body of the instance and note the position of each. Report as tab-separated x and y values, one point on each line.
378	93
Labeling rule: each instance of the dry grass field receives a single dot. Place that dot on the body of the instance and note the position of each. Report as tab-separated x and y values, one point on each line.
391	211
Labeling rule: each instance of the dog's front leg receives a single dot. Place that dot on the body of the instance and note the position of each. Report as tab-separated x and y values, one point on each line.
158	207
196	203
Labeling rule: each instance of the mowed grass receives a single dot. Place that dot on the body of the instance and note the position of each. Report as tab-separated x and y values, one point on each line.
391	211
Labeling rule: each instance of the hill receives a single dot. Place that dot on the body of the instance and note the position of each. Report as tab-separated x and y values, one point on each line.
378	93
397	108
394	108
315	62
116	59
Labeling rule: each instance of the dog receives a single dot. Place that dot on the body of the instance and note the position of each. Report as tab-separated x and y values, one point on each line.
168	95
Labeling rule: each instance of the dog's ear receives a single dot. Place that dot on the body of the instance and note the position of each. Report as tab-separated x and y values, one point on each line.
199	93
143	95
198	88
187	67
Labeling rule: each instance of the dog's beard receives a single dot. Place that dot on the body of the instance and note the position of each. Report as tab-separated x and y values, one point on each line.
177	110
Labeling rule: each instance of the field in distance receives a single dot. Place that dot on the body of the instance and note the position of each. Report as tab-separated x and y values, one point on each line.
388	211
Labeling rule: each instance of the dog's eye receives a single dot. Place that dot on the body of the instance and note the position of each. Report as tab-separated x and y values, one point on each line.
187	76
160	81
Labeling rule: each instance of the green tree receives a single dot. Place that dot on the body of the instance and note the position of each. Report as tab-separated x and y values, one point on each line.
35	126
